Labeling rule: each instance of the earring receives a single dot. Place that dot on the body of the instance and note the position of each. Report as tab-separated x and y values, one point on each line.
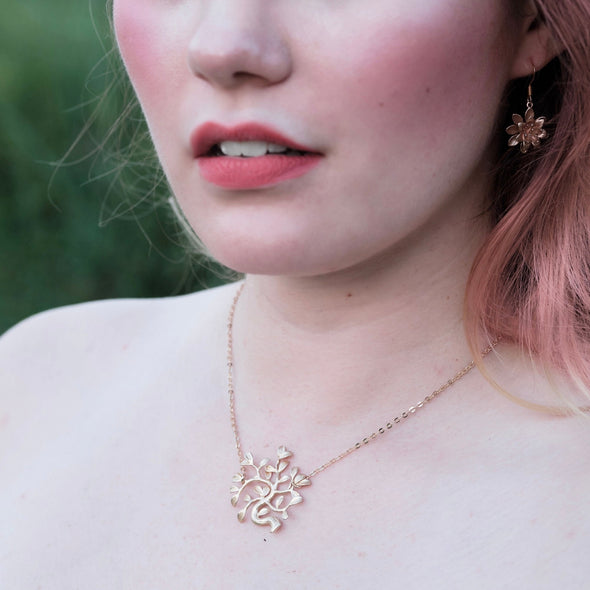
528	131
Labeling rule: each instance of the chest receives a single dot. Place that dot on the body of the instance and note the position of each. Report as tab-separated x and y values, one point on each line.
129	511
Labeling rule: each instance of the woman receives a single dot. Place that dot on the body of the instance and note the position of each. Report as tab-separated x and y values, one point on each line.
345	158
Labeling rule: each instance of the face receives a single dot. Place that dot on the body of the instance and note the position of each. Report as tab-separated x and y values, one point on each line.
387	109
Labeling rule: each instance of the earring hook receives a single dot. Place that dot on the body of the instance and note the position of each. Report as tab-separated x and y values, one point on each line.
530	93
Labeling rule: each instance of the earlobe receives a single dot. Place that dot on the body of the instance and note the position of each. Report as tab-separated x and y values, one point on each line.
537	49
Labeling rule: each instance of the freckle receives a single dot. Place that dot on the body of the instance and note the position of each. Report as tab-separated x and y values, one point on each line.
428	90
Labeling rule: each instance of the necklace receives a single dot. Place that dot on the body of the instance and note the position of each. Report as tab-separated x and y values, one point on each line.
268	489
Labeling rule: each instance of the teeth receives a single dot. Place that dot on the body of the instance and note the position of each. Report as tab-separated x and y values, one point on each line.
250	149
275	148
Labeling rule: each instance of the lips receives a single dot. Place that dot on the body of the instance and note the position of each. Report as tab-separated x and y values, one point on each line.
246	173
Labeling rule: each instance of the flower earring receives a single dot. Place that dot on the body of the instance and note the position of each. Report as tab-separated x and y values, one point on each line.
529	131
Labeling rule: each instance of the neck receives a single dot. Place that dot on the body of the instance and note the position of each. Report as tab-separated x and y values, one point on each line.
391	330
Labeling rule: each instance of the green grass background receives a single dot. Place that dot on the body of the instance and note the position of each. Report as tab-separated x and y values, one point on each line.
87	229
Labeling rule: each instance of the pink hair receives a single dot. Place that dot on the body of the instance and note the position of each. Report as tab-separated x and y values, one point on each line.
530	282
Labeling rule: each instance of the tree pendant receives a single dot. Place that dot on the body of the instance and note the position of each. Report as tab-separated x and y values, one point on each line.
268	492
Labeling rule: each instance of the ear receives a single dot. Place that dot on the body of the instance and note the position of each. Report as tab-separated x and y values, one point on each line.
536	48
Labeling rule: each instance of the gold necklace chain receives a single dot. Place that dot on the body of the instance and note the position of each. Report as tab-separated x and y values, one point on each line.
270	485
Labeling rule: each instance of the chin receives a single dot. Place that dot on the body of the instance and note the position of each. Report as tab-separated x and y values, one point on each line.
281	258
250	249
250	259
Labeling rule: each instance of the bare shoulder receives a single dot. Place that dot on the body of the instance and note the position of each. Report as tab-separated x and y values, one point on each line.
72	333
64	363
66	339
67	329
535	468
95	398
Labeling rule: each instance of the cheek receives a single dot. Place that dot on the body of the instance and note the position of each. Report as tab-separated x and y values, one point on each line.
152	40
133	30
149	36
420	83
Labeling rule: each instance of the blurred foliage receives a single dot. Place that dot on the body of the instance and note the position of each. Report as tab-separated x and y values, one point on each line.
90	227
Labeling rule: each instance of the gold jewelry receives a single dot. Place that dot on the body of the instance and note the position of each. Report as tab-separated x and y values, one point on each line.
529	131
269	489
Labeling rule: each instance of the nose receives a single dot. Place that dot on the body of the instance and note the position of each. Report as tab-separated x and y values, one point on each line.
237	42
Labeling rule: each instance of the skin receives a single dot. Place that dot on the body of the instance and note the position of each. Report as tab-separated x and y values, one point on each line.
385	113
351	313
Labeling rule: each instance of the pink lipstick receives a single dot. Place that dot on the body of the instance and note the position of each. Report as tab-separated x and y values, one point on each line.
217	150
